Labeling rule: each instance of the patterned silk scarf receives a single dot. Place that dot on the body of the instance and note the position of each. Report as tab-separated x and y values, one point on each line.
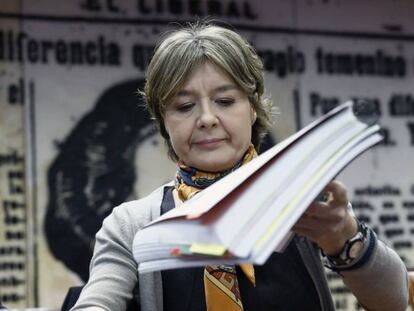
220	281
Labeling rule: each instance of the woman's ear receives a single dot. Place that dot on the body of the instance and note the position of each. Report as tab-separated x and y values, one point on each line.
253	115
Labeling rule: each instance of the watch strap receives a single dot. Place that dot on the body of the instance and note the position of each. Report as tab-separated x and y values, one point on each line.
343	261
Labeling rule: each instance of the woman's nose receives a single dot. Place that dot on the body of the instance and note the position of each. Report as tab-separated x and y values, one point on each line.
207	117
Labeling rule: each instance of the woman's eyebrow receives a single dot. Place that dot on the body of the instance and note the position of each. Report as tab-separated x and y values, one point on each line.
218	89
185	93
226	87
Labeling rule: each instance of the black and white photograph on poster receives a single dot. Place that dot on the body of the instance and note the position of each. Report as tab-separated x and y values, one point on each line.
76	139
92	152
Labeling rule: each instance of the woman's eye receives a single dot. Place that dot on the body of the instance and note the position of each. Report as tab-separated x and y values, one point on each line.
225	101
185	107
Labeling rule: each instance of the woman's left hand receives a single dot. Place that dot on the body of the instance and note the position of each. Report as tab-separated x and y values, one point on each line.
329	224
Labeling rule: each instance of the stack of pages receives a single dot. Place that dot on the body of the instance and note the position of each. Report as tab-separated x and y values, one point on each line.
248	214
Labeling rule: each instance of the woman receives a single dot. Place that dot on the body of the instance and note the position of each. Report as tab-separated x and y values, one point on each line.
205	91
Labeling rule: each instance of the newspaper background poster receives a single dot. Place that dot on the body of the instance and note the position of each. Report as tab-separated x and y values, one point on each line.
76	141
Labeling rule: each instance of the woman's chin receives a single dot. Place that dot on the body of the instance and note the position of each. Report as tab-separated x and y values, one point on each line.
214	166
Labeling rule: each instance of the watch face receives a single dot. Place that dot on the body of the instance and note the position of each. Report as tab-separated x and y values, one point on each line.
355	249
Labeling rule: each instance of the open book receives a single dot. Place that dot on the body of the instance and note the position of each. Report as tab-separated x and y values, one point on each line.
249	213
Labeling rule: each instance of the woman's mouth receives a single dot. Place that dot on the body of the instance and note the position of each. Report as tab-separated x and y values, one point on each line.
210	143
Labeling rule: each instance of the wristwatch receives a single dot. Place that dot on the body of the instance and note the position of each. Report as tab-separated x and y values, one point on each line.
352	248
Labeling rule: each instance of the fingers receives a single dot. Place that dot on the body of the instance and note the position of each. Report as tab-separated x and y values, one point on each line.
338	192
328	223
320	211
323	218
308	233
334	206
321	221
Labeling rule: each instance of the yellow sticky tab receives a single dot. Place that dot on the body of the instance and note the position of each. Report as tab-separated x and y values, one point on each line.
208	249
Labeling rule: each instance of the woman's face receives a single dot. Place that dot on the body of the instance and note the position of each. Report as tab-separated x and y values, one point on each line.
210	120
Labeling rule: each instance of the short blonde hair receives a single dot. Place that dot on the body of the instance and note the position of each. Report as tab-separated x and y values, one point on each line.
184	50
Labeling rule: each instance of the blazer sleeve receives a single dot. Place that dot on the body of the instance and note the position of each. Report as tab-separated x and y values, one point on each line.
382	282
113	270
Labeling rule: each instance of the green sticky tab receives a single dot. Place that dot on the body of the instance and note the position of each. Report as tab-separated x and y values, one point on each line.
208	249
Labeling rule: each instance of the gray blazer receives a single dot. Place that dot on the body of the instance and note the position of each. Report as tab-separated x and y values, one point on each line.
381	284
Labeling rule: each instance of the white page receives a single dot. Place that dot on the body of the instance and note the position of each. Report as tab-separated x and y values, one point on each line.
263	250
174	232
275	199
272	181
